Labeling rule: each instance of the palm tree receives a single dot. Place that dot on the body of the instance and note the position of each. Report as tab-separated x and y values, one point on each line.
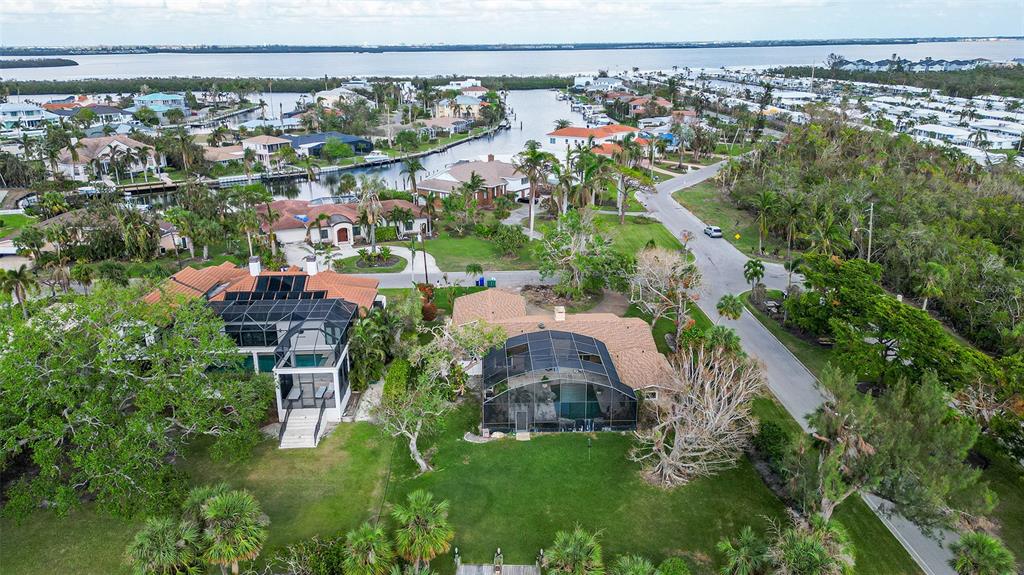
790	211
933	280
533	163
575	552
311	168
235	529
753	272
165	547
766	203
19	283
792	265
978	553
560	124
370	208
827	235
82	273
367	550
745	556
410	167
270	216
632	565
730	306
248	159
814	547
474	270
424	531
430	202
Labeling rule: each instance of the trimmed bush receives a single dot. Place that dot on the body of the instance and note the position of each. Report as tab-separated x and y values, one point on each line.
772	441
674	566
386	234
396	380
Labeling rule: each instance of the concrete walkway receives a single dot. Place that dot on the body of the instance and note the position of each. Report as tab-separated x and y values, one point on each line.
790	381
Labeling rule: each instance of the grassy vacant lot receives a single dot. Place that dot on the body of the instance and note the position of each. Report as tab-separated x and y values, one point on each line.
453	254
348	266
305	492
732	149
635	233
8	224
516	495
713	208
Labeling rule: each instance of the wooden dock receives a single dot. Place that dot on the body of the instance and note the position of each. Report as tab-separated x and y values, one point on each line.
488	569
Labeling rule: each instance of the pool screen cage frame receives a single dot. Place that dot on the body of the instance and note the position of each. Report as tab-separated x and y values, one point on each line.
561	381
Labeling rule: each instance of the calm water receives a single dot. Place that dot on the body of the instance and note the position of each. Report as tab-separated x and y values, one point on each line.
534	110
490	63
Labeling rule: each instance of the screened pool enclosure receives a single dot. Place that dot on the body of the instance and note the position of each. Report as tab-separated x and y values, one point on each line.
554	381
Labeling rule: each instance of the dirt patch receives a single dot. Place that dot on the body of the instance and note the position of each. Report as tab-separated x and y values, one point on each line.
545	298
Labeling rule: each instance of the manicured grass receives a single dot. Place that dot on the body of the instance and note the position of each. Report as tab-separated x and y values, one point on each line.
305	492
10	223
732	149
516	495
813	356
454	254
443	297
635	233
715	209
348	266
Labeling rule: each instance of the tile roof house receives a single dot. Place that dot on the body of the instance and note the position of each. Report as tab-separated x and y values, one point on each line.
266	148
292	324
500	178
99	153
341	227
561	372
573	136
648	106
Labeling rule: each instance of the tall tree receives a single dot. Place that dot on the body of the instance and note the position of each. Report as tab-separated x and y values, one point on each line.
978	553
235	529
576	552
165	547
534	164
368	551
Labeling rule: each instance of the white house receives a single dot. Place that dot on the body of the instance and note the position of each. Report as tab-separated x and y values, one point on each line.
572	137
266	148
459	107
15	114
340	225
459	85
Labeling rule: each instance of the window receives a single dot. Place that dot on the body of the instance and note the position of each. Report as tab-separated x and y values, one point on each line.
552	141
590	357
324	233
356	231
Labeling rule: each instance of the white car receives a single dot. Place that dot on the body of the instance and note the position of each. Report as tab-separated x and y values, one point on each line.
713	231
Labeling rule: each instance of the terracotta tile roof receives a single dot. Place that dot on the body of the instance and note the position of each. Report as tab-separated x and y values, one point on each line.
193	282
222	153
629	340
606	149
599	132
358	290
227	277
494	173
290	209
489	305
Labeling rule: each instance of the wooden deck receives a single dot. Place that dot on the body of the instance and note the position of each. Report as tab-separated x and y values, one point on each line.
471	569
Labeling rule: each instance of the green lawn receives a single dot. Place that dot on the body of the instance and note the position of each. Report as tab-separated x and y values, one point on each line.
516	495
713	208
665	325
327	490
10	223
732	149
348	266
635	233
453	254
1006	478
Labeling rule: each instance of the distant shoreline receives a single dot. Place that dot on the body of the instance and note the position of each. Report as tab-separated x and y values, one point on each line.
36	63
300	49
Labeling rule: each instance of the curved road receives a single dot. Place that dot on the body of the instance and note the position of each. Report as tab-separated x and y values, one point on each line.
796	388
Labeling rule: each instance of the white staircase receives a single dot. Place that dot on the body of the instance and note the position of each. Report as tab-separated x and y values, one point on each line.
300	429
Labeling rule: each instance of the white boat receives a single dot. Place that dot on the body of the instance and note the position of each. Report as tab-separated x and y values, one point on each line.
376	157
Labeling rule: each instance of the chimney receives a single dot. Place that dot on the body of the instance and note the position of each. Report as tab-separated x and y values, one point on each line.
254	266
312	267
559	313
490	157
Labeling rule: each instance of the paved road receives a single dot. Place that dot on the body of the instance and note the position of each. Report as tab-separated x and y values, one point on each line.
791	382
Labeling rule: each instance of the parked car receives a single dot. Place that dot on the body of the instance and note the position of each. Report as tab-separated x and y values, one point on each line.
713	231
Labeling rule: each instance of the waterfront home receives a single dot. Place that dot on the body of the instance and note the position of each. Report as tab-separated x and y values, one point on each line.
223	155
499	179
573	136
266	148
648	106
597	84
288	123
292	324
314	143
116	155
950	134
447	125
104	114
339	223
161	100
459	85
561	372
341	95
24	116
459	107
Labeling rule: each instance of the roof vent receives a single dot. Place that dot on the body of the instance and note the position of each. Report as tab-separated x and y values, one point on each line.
559	313
254	266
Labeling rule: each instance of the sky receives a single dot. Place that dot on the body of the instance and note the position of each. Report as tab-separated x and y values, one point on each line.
97	22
